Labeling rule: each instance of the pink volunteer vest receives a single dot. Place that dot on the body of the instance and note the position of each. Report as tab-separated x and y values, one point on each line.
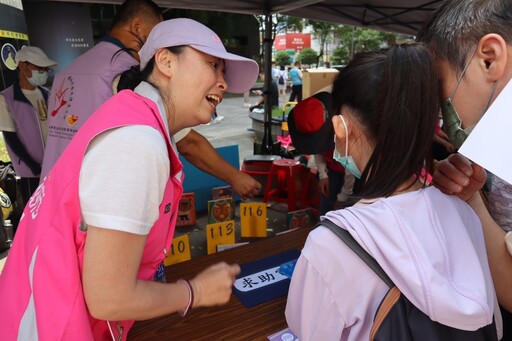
40	286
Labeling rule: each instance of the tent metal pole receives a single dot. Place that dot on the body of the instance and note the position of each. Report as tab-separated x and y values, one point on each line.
267	143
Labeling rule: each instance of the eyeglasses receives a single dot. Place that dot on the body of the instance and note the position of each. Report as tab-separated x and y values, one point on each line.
39	69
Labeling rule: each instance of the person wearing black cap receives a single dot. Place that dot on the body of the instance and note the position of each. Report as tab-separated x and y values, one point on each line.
311	131
23	116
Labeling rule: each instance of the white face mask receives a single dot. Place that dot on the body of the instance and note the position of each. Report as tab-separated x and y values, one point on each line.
38	79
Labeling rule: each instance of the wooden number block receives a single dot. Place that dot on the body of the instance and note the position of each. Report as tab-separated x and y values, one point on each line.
220	233
180	250
253	219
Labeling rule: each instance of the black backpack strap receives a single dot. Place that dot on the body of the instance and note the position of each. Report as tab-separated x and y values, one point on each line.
347	238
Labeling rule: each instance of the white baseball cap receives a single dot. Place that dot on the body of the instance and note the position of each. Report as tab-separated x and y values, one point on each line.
34	55
240	72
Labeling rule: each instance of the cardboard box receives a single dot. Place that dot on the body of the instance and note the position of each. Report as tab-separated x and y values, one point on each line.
315	79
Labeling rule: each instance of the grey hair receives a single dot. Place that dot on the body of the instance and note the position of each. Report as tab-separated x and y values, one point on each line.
457	25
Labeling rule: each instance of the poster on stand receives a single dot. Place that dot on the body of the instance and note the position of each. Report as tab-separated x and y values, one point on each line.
13	36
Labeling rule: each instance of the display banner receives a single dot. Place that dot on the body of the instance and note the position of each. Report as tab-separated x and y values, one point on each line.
64	31
13	35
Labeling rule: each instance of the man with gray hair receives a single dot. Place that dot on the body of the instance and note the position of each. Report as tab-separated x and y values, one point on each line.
472	42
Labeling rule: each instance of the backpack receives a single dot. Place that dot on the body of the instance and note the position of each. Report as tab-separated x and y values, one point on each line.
281	79
397	318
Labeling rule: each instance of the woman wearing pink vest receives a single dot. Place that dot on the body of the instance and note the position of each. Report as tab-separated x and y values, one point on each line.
94	234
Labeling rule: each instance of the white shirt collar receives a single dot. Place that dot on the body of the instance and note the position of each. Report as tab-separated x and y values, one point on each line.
147	90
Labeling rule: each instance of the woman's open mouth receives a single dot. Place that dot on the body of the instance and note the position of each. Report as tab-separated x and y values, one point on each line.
213	99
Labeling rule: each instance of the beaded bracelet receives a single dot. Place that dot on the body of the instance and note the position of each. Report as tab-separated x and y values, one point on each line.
190	297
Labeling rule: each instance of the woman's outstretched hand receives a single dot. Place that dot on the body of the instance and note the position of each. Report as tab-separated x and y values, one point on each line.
213	285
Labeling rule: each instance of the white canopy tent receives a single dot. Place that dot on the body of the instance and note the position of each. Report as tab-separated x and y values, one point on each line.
400	16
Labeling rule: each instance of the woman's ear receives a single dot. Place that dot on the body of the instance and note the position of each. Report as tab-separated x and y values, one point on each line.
492	50
163	61
339	127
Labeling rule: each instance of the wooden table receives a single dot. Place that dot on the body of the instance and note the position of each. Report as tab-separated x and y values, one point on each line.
232	321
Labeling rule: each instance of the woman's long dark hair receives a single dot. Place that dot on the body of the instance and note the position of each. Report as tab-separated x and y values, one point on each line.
394	95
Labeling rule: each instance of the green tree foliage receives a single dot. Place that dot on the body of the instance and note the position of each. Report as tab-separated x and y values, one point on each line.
340	56
308	56
294	24
356	39
321	30
345	39
281	24
282	58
